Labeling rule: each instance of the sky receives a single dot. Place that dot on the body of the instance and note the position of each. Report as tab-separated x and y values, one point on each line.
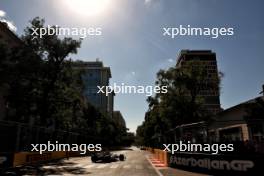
132	43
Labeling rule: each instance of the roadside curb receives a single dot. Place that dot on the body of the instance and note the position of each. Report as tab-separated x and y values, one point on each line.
157	171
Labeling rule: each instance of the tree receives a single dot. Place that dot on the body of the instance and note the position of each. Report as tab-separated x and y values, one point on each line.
43	88
54	52
180	105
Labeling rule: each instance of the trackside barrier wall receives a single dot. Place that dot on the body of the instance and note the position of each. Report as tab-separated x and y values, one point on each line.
214	164
25	158
8	160
219	164
160	155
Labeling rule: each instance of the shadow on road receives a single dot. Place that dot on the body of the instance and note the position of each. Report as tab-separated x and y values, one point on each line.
54	168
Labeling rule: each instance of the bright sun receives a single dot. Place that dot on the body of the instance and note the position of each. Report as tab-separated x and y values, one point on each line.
88	7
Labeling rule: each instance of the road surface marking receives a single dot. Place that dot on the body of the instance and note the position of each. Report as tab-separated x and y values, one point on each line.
90	166
157	171
101	166
47	167
114	166
126	166
53	167
77	165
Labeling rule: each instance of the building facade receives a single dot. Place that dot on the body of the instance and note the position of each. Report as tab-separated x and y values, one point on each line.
10	39
207	59
119	119
243	122
95	74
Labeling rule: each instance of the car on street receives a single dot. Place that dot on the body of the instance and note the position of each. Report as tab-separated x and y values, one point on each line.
107	156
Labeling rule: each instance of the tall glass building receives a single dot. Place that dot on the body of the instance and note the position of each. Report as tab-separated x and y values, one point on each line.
95	74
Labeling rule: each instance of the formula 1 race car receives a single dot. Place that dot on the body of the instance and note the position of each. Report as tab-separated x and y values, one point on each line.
107	157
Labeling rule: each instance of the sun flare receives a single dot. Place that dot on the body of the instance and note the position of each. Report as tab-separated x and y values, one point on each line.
88	7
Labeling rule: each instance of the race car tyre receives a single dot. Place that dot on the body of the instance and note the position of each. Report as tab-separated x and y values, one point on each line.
94	158
121	157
